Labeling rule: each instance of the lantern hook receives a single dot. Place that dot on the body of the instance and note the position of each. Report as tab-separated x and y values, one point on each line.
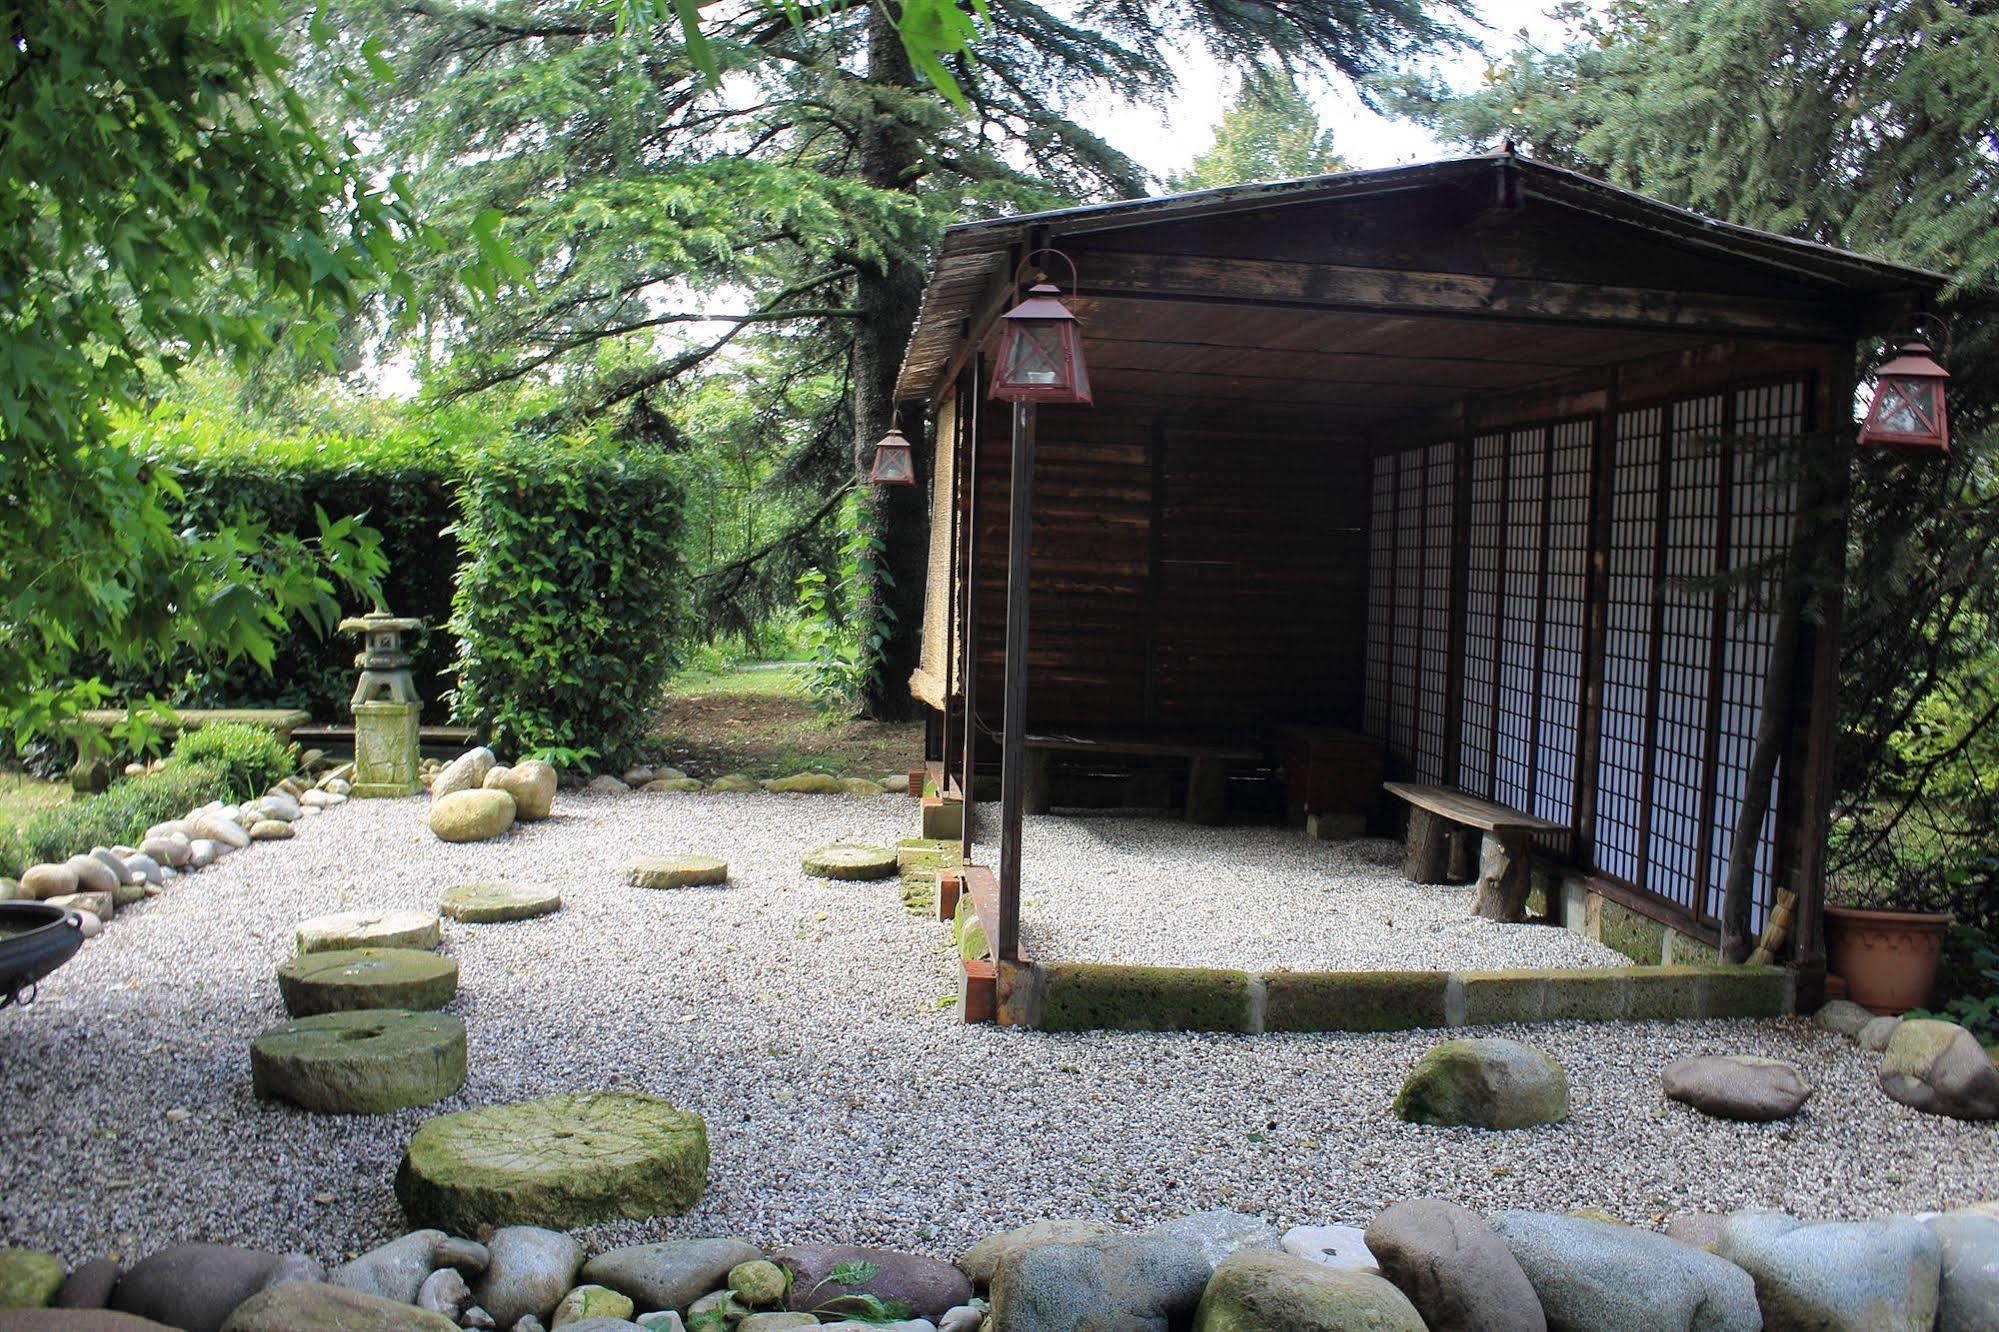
1075	280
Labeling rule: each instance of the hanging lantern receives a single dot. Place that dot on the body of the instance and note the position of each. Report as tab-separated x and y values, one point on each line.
893	464
1041	351
1908	408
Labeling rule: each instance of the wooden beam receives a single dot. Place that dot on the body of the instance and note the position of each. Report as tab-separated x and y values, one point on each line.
1013	762
1416	294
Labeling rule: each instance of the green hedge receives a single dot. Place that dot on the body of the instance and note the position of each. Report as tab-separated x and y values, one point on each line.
565	610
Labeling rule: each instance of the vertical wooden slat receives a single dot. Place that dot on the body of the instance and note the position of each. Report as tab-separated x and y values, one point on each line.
1460	579
1539	674
1596	625
1717	650
972	409
1656	665
1013	762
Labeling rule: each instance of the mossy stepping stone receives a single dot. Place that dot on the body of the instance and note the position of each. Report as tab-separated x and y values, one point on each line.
367	929
676	871
352	978
562	1161
364	1062
488	903
846	860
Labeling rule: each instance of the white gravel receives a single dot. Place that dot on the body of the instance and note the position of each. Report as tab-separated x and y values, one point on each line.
843	1102
1162	891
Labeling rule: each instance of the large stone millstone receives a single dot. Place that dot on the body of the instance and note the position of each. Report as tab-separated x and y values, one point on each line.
364	1062
490	903
367	929
846	860
356	978
676	871
560	1161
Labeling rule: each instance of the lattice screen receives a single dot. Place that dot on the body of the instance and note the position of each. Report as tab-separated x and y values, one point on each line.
1627	654
1410	553
1565	597
1380	595
1408	603
1434	678
1485	555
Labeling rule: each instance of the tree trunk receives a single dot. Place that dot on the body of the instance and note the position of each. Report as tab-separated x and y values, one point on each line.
889	292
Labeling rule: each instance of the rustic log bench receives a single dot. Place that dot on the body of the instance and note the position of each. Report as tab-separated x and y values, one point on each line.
1439	817
1207	765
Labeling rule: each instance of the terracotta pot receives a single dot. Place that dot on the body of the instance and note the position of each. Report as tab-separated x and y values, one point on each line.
1888	958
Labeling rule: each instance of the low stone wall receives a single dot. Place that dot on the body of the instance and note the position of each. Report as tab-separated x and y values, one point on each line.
1086	996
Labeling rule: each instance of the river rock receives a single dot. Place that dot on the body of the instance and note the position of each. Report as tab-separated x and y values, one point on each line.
1940	1069
217	826
89	1285
45	881
315	1306
982	1258
281	805
471	816
529	1271
29	1278
1221	1233
197	1286
671	1274
1487	1082
1877	1033
1133	1283
1744	1087
175	851
463	773
675	785
589	1304
1591	1275
531	784
605	784
1453	1267
1968	1298
806	783
445	1292
101	905
733	783
94	876
1258	1291
393	1271
927	1286
758	1283
1867	1276
1842	1016
1344	1247
203	852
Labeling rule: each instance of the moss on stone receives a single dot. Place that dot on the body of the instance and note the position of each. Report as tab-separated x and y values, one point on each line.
972	941
1353	1000
1665	994
1742	992
1588	994
1683	950
1496	997
1087	996
849	860
356	978
29	1278
366	1061
1638	937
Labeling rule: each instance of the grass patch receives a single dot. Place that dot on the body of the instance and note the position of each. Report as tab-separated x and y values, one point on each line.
22	796
759	722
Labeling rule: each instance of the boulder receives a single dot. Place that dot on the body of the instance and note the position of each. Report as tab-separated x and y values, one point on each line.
203	852
282	806
117	862
605	784
367	1061
1592	1275
216	826
272	830
823	1278
1257	1291
471	816
860	786
445	1292
671	1274
89	1285
733	783
463	773
1842	1016
1877	1033
197	1286
491	903
982	1258
351	978
1453	1267
315	1306
585	1304
677	871
780	1321
1221	1233
529	1271
77	1320
1881	1276
45	881
174	851
1968	1297
1487	1082
101	905
758	1283
567	1160
639	774
393	1271
93	875
1700	1229
846	860
805	783
1940	1069
531	784
1744	1087
674	785
29	1278
1133	1283
367	929
1343	1247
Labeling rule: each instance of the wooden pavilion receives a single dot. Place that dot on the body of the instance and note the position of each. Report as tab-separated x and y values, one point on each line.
1507	469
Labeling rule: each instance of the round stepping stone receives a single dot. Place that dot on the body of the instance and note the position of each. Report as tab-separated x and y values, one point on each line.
367	929
561	1161
676	871
845	860
364	1062
486	903
353	978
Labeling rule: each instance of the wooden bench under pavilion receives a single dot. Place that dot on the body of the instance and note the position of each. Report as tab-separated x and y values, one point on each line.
1438	850
1207	766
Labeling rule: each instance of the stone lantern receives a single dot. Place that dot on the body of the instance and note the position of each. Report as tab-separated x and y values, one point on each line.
385	706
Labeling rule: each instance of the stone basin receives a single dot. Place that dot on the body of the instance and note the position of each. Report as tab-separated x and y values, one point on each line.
35	939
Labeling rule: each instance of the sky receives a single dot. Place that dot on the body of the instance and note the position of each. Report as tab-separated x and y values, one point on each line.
1362	137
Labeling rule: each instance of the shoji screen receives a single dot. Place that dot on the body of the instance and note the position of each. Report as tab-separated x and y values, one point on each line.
1410	553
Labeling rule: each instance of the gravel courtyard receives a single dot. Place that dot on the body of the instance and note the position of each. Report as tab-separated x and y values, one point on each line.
808	1023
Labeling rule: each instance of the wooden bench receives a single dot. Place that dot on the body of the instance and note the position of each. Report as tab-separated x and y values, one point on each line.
90	774
1438	819
1207	765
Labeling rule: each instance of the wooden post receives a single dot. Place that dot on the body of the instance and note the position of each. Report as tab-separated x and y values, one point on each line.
1013	749
968	609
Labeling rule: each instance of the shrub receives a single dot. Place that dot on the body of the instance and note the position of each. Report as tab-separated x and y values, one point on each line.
566	605
248	759
120	815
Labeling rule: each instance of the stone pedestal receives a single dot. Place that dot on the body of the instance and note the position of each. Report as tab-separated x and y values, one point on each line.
385	749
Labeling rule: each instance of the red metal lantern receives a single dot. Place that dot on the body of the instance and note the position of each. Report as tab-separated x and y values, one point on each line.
894	465
1041	351
1908	408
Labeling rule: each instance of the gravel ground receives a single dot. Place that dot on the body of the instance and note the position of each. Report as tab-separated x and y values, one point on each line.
843	1100
1163	891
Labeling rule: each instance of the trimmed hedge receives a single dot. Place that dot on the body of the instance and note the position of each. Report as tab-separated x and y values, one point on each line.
247	760
119	816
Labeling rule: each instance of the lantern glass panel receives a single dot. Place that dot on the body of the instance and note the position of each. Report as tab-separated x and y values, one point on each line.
892	466
1906	407
1037	355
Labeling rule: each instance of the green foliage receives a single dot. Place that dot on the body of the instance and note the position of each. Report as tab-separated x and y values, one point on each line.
247	760
118	816
164	192
566	605
1968	980
1270	132
842	653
